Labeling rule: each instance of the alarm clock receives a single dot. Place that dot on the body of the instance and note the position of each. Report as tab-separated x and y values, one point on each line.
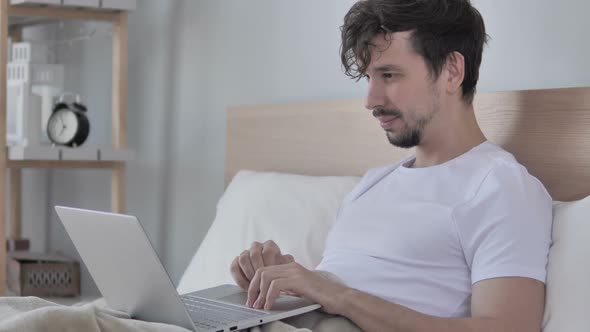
68	123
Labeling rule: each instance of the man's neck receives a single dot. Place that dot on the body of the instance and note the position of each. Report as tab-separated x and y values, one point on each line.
450	144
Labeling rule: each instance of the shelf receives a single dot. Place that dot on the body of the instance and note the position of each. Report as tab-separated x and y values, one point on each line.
12	19
28	153
62	154
60	164
25	15
17	21
89	4
79	154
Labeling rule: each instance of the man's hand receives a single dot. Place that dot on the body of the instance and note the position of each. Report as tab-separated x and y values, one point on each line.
269	282
244	267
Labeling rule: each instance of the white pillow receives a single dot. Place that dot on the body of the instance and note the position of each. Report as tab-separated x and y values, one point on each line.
295	211
567	305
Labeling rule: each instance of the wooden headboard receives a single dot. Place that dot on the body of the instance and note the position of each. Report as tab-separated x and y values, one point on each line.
547	130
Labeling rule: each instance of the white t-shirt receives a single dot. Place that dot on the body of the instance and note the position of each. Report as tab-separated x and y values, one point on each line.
421	237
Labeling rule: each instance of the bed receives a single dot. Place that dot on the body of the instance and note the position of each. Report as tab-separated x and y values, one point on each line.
303	158
547	130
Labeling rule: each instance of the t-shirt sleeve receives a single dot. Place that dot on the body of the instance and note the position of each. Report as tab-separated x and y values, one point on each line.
505	228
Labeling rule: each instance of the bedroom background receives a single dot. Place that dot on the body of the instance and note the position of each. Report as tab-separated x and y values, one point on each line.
190	60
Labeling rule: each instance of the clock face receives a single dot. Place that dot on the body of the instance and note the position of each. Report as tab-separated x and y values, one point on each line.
62	126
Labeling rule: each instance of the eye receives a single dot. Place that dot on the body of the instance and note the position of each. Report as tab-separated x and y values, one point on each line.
389	75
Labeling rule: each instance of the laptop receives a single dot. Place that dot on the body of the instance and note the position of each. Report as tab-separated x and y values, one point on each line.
131	278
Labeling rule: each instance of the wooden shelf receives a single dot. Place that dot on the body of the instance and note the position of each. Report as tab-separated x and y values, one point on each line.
20	22
23	15
69	164
57	153
28	153
12	19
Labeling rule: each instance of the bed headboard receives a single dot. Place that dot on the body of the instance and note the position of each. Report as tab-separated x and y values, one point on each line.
547	130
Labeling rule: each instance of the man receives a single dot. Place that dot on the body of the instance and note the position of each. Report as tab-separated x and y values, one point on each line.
455	238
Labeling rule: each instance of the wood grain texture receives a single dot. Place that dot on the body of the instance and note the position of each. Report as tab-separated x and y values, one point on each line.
64	13
3	150
118	186
119	100
547	130
119	109
65	164
328	138
15	203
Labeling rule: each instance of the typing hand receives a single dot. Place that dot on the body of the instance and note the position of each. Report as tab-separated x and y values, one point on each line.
271	281
244	267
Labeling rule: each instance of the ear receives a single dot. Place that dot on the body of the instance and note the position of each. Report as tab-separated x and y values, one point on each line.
455	67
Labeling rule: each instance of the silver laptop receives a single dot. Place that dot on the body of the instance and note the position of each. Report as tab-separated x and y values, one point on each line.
131	278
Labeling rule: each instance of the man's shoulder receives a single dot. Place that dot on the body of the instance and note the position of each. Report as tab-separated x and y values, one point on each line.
504	176
488	157
493	165
490	170
503	167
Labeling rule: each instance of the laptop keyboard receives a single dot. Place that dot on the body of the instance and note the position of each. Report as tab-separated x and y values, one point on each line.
210	314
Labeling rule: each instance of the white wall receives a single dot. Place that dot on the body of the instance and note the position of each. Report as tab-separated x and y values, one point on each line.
535	44
189	60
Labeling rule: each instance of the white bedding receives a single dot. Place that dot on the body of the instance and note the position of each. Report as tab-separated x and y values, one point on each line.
32	314
298	218
297	212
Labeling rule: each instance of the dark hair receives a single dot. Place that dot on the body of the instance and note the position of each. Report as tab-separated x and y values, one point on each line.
439	28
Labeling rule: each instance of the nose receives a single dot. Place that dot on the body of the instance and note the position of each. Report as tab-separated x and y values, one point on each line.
375	96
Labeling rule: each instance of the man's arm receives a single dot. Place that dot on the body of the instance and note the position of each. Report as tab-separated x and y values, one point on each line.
500	304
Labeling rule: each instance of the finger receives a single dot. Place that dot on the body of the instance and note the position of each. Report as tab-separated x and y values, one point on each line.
266	278
270	253
238	275
286	259
246	264
274	290
254	288
256	256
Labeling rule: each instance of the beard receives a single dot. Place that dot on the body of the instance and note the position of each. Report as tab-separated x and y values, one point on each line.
408	138
412	132
410	135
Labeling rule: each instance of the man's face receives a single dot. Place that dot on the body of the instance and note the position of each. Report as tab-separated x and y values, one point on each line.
402	94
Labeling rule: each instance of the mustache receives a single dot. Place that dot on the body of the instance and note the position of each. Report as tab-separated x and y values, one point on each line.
383	112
